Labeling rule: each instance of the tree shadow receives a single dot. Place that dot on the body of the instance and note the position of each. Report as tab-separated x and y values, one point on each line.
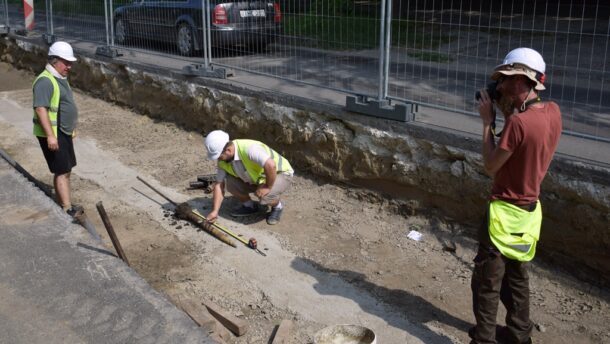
416	309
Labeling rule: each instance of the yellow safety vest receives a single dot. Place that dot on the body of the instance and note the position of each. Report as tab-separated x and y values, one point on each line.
255	171
53	108
514	231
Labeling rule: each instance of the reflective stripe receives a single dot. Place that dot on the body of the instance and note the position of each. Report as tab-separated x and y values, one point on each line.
522	248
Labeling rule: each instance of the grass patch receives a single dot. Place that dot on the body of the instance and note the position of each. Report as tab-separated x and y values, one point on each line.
343	33
430	56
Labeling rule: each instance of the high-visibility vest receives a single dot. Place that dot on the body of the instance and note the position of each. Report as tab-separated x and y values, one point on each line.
53	107
514	231
255	171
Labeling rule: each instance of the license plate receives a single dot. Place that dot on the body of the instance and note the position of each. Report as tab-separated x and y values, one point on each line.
252	13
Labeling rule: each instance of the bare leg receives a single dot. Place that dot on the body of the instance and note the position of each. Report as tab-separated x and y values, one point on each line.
61	182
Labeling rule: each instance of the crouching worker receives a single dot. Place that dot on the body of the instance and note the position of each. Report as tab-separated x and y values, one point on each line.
244	167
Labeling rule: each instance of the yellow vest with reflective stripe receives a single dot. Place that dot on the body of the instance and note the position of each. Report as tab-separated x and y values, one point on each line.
514	231
53	107
254	170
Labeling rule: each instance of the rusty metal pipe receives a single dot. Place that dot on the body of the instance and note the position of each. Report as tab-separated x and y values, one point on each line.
115	240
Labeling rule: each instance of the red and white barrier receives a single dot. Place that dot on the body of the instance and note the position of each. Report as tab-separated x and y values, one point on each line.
28	12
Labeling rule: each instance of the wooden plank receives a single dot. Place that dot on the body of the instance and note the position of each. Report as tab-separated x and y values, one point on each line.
283	332
238	326
197	312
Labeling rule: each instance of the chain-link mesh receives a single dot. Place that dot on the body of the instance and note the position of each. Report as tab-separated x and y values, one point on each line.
439	52
173	28
443	51
332	44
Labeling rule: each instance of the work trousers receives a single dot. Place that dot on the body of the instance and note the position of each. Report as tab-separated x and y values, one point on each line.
496	277
237	186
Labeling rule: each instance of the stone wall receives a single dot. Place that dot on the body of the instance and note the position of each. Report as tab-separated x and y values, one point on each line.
422	168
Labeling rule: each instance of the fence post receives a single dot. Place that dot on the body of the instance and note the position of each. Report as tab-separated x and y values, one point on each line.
204	34
106	22
108	50
111	15
388	45
5	28
28	14
206	69
381	107
381	51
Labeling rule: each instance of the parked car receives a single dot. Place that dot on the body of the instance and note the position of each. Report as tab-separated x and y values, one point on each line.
254	24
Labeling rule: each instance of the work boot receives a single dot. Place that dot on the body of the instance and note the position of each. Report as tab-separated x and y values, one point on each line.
74	210
501	333
242	210
273	218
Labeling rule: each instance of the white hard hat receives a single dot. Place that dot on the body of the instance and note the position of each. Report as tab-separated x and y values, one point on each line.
62	50
524	61
215	142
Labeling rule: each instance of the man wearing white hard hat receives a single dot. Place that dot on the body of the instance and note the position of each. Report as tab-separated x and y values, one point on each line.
55	118
247	167
517	163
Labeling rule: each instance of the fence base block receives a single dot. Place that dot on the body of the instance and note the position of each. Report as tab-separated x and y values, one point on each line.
108	51
49	39
382	109
207	72
4	30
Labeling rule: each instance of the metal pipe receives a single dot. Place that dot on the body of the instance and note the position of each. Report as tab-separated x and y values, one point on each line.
157	191
113	237
381	51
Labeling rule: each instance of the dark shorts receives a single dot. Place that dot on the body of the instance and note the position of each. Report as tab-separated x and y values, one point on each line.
62	160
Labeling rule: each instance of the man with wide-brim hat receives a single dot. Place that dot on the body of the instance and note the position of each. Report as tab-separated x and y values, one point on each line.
517	163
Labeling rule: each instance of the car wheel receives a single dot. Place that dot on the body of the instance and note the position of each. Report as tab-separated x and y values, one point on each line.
120	31
185	40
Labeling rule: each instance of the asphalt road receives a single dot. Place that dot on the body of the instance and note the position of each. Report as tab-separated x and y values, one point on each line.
58	285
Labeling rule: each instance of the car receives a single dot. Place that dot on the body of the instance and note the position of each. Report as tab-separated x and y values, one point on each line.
253	24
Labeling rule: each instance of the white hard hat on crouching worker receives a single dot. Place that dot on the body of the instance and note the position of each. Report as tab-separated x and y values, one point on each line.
215	142
62	50
524	61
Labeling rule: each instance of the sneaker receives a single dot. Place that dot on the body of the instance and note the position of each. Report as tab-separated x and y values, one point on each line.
244	211
274	216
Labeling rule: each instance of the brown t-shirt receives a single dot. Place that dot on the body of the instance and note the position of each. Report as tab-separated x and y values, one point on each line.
532	137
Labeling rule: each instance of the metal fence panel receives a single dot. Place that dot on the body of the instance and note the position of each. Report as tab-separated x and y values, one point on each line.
81	20
443	51
331	44
169	28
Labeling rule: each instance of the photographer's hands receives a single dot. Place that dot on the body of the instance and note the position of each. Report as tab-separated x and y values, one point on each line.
486	109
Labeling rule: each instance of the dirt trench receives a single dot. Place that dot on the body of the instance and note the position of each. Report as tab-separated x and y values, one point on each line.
340	254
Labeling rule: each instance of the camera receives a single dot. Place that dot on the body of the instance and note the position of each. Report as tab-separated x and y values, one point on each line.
491	90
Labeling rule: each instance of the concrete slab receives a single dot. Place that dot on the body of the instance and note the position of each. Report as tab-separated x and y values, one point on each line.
57	285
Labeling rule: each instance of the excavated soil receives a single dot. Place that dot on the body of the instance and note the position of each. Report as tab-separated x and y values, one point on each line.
340	254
